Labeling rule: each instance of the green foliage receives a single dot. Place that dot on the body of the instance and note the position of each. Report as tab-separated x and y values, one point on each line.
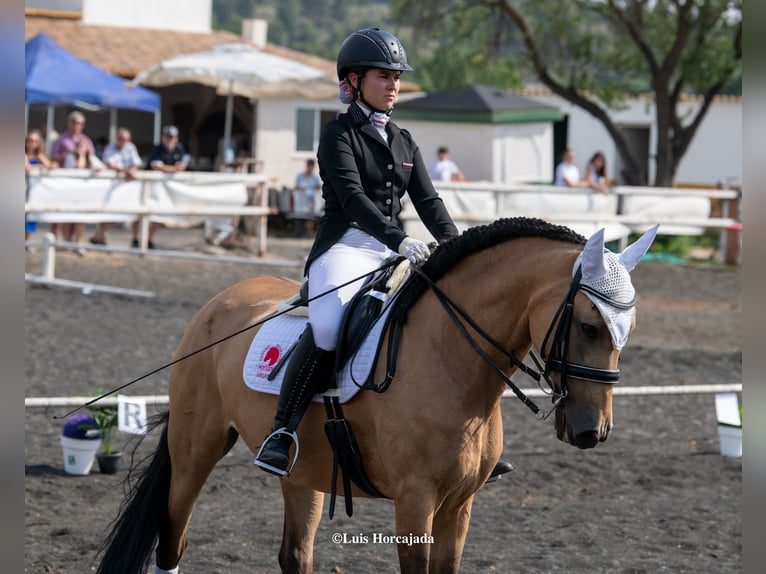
106	417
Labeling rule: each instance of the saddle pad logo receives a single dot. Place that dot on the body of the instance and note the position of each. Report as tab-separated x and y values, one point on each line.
268	359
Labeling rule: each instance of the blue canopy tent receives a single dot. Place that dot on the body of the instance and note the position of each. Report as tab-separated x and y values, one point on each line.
54	76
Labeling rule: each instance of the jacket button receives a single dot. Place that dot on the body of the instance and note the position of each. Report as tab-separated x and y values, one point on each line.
388	184
388	201
390	166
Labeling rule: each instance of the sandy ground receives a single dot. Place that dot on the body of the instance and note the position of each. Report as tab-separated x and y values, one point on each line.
657	497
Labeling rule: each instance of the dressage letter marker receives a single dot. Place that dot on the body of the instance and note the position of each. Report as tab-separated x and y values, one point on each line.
131	414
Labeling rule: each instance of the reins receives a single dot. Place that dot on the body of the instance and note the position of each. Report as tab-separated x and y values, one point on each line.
221	340
556	362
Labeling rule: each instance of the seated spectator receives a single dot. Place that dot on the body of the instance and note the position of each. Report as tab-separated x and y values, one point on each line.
168	156
122	157
307	187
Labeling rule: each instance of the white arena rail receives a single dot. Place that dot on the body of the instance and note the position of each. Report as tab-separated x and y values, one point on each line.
63	195
625	210
658	390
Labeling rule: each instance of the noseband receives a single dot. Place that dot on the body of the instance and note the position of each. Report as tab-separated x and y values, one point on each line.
557	333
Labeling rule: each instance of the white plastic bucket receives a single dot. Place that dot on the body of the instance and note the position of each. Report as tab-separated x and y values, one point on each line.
79	454
731	440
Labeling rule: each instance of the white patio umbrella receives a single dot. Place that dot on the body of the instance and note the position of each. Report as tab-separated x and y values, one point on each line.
243	70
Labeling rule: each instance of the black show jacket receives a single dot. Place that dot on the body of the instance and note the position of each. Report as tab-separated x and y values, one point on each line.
364	181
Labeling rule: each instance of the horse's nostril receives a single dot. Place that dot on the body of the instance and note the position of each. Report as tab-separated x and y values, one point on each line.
587	439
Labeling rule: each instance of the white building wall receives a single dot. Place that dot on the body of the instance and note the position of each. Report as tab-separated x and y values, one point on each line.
275	146
525	152
181	15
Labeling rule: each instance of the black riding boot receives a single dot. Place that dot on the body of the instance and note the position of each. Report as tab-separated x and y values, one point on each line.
308	367
501	467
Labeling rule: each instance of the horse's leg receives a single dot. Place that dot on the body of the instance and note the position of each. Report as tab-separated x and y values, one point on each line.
450	528
303	511
414	516
194	451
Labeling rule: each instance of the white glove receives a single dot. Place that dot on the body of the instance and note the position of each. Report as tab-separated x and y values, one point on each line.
414	250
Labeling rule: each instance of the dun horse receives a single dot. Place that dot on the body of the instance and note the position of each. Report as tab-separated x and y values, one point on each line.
518	281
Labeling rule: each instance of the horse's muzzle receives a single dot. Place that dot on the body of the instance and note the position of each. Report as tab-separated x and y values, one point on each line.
588	436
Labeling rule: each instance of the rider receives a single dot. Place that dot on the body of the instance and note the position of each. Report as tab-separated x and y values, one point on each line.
366	163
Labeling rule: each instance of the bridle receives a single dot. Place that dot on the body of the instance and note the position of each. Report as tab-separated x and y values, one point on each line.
557	334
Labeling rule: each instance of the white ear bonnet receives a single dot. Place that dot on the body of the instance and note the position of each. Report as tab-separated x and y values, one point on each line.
606	281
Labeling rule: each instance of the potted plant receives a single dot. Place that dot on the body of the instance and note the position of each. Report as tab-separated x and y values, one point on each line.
79	440
108	459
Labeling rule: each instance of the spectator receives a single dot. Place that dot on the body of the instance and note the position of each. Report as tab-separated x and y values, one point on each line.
34	156
34	153
168	156
567	173
63	150
84	158
307	189
443	168
122	157
595	173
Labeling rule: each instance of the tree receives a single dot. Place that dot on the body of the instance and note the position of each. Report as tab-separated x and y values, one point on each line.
597	53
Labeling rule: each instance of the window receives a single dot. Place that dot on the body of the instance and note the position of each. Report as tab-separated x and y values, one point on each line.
308	126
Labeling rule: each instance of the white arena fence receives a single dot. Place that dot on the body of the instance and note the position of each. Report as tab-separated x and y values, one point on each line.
65	195
623	211
659	390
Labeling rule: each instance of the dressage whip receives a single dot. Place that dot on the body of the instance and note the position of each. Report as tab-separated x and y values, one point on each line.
388	263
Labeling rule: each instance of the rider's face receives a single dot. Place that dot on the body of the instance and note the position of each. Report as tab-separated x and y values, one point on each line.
380	87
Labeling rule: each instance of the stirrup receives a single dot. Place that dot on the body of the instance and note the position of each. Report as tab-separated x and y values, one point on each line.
273	469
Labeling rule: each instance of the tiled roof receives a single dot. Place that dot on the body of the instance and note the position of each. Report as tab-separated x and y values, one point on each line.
127	51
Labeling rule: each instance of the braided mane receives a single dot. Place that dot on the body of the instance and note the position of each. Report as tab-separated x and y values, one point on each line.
476	239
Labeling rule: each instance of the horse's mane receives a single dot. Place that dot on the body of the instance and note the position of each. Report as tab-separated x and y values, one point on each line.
476	239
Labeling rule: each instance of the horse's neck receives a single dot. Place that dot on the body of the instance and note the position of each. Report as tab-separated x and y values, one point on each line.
499	288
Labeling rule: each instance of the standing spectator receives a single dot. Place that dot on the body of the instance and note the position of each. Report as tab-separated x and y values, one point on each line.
84	158
307	186
63	150
168	156
443	168
595	173
122	157
567	173
34	153
34	156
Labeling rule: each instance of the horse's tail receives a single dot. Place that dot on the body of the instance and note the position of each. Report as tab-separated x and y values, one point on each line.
127	548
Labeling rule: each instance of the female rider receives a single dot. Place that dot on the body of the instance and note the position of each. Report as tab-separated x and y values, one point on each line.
366	164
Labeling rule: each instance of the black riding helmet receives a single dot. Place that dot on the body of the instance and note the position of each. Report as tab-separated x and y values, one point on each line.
371	48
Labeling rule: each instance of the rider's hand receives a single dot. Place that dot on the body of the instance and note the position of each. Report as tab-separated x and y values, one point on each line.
414	250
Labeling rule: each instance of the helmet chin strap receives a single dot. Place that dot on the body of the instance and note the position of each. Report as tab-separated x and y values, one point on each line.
359	78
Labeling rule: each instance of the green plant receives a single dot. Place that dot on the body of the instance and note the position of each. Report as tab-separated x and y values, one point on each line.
106	417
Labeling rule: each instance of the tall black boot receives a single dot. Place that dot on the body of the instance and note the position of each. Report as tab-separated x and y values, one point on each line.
307	368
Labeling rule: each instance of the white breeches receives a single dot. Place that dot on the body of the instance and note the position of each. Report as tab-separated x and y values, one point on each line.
355	254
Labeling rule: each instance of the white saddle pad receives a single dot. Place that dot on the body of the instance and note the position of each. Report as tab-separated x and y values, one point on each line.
277	336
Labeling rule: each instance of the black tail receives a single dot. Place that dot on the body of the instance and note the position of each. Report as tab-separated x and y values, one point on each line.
143	513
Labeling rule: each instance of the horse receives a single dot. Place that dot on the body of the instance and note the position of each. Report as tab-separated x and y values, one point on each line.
525	284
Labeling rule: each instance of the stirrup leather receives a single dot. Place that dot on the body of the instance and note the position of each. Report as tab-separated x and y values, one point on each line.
273	469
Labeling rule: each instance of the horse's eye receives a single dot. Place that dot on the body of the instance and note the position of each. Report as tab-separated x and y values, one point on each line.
588	330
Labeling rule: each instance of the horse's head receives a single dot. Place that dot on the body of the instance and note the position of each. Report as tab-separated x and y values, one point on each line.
581	344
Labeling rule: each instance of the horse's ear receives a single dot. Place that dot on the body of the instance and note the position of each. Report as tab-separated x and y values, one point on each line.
592	260
635	251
